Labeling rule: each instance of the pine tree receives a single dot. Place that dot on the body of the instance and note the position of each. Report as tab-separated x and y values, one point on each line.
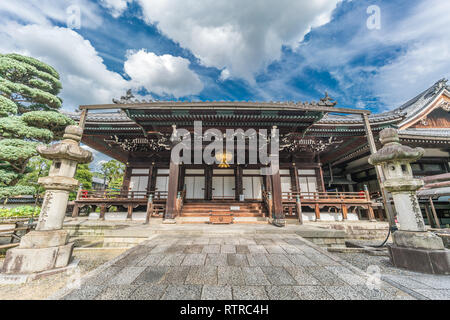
28	115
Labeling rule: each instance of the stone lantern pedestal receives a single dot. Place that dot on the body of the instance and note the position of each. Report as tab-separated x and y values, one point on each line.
413	247
47	248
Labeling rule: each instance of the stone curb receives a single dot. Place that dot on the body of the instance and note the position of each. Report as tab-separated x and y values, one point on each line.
412	293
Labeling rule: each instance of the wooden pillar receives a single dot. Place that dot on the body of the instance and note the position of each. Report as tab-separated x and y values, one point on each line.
317	211
296	187
427	211
126	180
344	212
171	203
208	182
276	196
239	187
129	211
370	213
433	210
331	174
76	211
181	177
298	208
297	182
149	208
322	182
102	211
268	183
380	176
150	179
83	118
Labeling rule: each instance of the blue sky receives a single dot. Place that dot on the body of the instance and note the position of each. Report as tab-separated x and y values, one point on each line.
285	50
234	50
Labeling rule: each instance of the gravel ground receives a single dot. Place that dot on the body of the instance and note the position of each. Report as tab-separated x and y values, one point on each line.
363	261
43	288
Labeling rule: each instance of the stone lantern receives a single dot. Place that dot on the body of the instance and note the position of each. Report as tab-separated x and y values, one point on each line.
47	247
414	248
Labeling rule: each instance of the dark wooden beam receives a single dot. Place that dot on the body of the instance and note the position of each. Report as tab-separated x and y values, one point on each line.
276	196
239	186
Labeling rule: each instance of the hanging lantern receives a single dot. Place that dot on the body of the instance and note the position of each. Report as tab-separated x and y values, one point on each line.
223	158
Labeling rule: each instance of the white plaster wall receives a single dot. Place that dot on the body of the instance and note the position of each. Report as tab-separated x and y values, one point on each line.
329	216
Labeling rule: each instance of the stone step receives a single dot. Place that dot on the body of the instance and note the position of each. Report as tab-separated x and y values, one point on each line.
209	206
235	214
243	220
201	209
208	210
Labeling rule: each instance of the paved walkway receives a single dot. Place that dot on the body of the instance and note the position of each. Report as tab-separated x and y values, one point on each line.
257	266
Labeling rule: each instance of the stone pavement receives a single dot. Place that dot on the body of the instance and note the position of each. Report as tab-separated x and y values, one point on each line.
259	266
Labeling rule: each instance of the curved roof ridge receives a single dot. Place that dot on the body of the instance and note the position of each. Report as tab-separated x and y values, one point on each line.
416	104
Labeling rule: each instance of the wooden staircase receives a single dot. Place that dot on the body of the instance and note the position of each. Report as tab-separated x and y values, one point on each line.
203	209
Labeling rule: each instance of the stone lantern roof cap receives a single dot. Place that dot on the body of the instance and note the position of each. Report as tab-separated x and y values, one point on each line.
68	148
394	151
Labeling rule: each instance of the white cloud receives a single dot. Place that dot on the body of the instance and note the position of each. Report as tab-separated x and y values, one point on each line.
224	75
426	36
116	7
42	12
164	75
242	36
84	76
417	46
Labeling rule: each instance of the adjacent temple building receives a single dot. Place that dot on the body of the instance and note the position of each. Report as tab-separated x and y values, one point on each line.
323	159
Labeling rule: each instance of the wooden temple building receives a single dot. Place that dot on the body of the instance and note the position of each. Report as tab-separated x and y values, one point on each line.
323	152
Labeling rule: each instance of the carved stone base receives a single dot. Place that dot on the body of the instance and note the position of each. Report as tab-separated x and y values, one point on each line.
418	240
420	260
39	251
44	239
14	278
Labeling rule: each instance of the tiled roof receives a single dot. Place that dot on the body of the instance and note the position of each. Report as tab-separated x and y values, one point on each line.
117	116
445	133
416	104
402	113
356	119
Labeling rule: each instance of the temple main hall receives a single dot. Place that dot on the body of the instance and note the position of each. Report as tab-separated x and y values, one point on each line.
323	171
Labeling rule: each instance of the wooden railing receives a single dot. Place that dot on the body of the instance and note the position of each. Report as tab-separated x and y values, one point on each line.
340	200
129	199
326	196
119	194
